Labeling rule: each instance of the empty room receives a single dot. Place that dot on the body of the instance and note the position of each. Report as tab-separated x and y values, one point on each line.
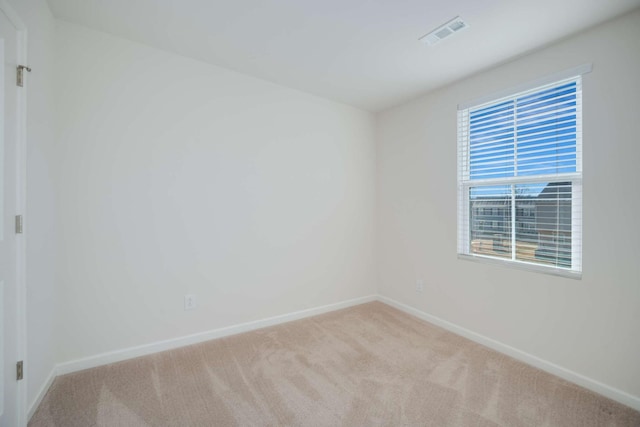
320	213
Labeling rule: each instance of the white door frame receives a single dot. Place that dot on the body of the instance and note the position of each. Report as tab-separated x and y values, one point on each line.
20	191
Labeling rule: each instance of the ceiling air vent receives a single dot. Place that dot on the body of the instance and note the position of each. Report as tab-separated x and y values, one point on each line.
442	32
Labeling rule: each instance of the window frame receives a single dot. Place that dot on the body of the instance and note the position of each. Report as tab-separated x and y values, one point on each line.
575	178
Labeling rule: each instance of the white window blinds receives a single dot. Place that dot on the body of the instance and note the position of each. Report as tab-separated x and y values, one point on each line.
520	177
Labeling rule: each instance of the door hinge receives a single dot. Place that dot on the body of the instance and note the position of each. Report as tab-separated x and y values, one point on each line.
19	370
18	224
20	74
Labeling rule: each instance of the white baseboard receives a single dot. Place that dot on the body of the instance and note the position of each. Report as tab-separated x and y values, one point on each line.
574	377
43	390
145	349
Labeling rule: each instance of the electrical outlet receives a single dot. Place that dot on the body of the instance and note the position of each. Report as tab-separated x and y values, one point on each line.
419	285
189	302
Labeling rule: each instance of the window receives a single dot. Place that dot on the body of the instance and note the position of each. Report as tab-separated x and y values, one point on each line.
520	166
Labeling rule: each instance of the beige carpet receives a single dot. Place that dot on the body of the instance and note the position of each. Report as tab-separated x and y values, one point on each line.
364	366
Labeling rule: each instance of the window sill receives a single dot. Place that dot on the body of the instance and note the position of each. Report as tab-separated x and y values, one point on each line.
520	265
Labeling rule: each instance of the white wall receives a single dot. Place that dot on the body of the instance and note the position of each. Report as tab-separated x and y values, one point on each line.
40	230
177	177
589	326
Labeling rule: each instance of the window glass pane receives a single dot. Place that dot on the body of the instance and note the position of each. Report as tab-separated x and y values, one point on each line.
490	225
543	223
491	141
530	135
546	129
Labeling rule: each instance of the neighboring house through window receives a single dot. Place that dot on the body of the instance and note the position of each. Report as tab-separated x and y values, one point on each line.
520	176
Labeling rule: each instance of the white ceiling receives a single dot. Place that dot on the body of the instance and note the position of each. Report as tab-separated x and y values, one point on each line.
364	53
